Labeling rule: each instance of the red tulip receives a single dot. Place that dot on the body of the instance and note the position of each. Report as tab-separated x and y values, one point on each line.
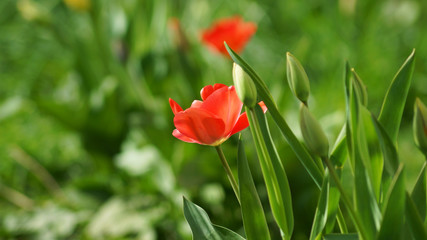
213	120
231	30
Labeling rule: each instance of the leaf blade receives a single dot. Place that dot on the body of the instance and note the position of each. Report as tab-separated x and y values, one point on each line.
202	227
392	224
394	101
300	150
253	216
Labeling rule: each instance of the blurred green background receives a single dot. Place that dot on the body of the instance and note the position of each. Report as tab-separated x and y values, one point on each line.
86	150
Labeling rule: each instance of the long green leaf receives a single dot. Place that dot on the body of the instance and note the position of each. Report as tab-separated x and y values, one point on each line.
366	202
279	170
276	195
419	195
392	224
202	227
350	236
376	162
321	214
338	158
252	212
391	159
415	203
414	220
394	101
300	150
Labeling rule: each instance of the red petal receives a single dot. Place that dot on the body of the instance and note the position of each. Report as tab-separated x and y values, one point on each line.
200	125
174	106
231	30
206	91
217	86
263	107
209	89
225	104
196	104
241	124
182	137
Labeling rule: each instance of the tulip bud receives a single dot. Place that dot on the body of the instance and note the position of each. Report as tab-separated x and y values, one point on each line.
297	78
245	87
312	133
420	126
360	88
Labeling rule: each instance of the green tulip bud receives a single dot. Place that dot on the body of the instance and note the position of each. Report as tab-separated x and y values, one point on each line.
313	135
245	87
297	78
420	126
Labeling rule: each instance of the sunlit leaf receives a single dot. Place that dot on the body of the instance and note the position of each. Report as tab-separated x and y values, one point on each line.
274	175
264	94
202	227
252	212
376	162
395	99
366	203
391	161
338	158
279	170
321	214
419	194
392	224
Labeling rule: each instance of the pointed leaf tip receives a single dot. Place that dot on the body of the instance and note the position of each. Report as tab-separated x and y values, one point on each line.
394	101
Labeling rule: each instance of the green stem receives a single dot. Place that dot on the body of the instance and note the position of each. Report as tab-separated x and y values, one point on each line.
345	198
228	171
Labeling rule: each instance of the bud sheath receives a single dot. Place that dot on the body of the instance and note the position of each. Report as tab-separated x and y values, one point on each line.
245	87
297	78
313	135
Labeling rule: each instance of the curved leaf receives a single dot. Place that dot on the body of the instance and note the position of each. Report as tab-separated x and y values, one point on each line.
202	227
419	194
365	200
394	101
274	176
414	220
279	170
321	214
392	224
338	157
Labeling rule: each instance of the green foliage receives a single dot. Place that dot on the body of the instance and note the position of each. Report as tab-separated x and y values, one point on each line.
252	212
86	128
275	178
202	227
395	99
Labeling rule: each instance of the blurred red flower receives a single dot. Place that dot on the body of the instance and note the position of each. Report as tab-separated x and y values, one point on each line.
231	30
213	120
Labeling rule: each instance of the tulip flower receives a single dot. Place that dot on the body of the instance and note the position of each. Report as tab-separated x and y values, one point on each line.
231	30
213	120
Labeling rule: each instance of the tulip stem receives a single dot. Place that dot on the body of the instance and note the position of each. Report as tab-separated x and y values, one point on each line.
228	171
345	198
